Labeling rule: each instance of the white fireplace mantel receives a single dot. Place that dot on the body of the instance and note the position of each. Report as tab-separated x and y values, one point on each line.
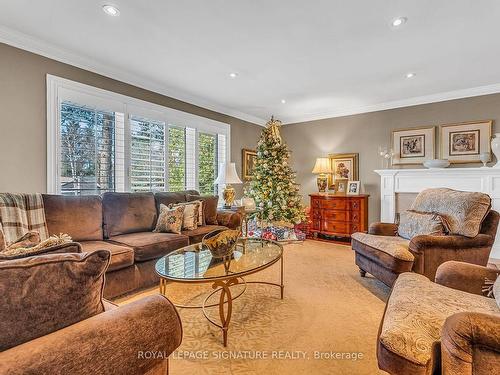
394	181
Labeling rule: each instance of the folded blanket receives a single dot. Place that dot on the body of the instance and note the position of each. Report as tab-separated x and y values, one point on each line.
19	214
27	248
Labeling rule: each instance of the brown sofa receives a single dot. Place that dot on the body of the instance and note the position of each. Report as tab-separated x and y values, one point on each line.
122	223
446	327
54	320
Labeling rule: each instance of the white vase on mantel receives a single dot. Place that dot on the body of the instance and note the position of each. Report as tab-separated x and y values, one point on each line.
495	148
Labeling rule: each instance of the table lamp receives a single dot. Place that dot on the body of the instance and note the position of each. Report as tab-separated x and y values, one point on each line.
322	168
227	176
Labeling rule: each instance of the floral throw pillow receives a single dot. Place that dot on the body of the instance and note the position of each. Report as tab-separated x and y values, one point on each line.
170	219
413	223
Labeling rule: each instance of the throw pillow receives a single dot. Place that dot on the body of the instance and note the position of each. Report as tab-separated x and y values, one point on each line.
200	220
45	293
30	244
496	291
170	219
209	207
462	211
412	223
191	212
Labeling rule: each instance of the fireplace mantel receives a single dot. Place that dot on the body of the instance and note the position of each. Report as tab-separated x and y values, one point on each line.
394	181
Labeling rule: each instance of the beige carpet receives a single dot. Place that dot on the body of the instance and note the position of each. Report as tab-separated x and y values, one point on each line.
327	308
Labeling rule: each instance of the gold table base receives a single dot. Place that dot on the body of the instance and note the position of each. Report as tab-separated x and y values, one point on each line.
226	298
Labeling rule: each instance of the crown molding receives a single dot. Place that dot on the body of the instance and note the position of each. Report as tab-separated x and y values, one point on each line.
410	102
29	43
37	46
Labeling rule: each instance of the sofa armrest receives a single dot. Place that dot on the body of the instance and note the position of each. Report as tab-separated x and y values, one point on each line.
383	229
232	220
132	339
464	276
424	242
470	340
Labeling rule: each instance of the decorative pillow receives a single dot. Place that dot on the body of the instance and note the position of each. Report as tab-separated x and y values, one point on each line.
170	219
496	291
412	223
30	244
463	212
191	212
200	220
45	293
209	207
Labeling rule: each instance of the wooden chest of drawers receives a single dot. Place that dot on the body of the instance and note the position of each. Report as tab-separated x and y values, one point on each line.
338	215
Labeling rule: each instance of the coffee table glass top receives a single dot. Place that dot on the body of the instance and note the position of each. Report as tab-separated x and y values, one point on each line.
195	262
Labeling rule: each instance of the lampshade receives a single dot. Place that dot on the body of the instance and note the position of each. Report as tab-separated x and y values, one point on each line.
227	174
322	166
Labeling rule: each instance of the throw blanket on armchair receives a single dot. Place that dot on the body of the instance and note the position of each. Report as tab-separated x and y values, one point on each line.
19	214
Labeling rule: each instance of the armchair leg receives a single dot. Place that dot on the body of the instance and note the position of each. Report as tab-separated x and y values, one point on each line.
362	272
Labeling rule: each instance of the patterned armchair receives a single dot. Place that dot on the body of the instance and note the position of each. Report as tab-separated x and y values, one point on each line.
470	228
446	327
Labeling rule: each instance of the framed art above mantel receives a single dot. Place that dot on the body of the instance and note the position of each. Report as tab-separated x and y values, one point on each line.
466	141
413	145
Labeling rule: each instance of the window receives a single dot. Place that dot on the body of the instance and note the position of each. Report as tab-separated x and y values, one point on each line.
208	162
100	141
87	150
176	158
147	155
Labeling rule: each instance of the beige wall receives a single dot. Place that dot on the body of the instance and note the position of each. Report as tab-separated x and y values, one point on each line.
23	116
363	134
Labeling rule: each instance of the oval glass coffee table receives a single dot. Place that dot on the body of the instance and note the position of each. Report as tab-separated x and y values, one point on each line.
195	264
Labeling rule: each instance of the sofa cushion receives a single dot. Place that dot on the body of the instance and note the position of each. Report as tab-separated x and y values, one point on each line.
79	217
197	234
394	246
463	212
209	207
416	312
413	223
149	245
45	293
128	213
121	256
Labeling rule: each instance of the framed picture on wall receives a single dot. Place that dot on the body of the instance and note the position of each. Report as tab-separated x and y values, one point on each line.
344	166
464	142
248	158
414	145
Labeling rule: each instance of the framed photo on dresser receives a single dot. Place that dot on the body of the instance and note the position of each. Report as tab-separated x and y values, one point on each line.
414	145
466	141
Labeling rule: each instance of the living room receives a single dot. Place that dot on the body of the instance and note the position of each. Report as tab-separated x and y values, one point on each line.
265	187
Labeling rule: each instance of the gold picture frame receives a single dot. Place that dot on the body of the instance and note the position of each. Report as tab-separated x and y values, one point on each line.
413	145
248	163
464	142
349	171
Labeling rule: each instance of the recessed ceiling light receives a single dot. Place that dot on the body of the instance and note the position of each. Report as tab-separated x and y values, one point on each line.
399	21
410	75
283	101
111	10
233	75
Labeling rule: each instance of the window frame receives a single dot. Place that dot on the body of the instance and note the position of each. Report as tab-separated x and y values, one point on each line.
62	89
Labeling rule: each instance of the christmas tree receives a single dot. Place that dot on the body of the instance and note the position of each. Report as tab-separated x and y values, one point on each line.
273	187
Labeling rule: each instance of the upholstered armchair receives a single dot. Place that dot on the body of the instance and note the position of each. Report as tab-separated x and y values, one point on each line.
385	254
443	327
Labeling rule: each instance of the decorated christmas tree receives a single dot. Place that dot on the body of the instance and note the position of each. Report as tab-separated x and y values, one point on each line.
274	189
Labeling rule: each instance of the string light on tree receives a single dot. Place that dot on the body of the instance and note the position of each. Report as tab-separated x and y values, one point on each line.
273	187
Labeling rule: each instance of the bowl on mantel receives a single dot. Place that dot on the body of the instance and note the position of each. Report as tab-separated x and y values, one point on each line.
436	163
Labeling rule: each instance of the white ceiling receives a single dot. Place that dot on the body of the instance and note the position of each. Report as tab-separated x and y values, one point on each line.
325	57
